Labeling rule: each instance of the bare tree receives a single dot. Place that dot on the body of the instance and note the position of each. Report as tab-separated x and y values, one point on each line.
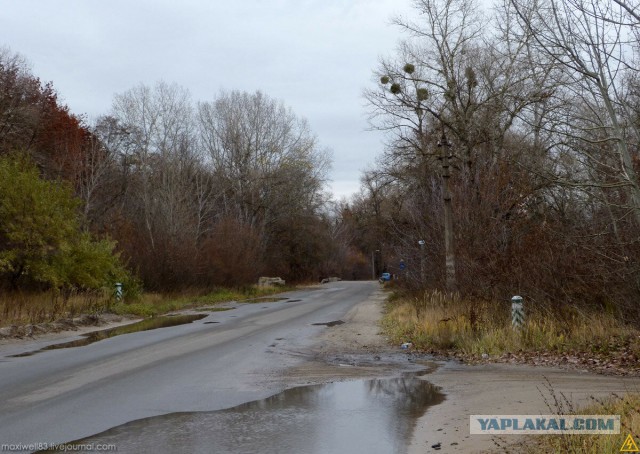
592	42
96	170
266	157
451	75
19	115
159	124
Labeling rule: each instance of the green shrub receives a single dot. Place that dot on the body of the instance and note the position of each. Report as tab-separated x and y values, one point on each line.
40	238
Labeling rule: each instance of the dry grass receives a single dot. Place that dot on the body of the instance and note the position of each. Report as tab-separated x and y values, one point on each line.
437	321
24	308
628	407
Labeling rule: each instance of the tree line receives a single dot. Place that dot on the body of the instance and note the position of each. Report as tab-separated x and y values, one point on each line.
177	193
511	167
511	163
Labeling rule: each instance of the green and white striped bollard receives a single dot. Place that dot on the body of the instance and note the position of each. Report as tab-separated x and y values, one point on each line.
517	312
118	292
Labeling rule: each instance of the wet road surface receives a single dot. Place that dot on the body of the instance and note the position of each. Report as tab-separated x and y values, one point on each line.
364	416
62	395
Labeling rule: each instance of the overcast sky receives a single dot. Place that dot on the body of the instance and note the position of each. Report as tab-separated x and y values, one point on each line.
316	56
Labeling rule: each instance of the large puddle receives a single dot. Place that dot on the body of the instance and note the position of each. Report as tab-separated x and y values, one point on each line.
144	325
372	416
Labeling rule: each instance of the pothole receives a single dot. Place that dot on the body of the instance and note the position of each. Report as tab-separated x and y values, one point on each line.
329	324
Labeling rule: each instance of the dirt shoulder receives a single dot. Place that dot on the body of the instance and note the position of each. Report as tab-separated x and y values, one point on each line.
352	348
360	332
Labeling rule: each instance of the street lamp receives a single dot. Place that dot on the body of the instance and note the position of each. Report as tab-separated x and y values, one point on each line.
422	243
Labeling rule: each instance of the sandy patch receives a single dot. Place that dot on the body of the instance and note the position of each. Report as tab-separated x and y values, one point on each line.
503	390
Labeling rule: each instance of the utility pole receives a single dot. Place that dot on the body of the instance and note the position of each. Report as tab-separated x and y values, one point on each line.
450	258
373	264
422	271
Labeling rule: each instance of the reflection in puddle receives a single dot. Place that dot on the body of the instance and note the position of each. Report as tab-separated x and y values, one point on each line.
373	416
144	325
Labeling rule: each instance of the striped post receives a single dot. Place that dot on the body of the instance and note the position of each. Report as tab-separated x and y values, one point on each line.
517	312
118	292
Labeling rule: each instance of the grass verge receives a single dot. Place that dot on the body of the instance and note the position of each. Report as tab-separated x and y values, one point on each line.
33	308
445	323
152	304
21	308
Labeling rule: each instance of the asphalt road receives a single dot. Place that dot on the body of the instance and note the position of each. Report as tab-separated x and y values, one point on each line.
61	395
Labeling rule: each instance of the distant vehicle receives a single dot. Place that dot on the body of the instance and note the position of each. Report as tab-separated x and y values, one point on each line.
384	277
